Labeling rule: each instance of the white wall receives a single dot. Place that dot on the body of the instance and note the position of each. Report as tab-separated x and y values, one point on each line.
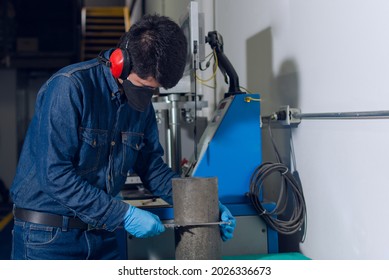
171	8
324	56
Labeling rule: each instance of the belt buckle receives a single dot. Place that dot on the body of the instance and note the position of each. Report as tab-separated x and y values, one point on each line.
90	227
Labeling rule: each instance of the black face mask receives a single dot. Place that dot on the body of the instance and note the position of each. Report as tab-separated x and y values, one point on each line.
138	97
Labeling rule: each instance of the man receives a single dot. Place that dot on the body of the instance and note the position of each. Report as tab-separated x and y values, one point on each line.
94	123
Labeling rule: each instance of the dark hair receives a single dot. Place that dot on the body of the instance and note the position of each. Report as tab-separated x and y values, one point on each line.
157	47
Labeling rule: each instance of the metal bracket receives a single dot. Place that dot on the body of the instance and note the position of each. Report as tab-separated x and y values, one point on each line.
291	115
196	224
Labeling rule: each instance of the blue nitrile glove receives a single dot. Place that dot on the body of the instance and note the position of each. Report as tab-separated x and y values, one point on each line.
141	223
226	230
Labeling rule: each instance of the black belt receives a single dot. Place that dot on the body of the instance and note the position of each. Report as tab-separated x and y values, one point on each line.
48	219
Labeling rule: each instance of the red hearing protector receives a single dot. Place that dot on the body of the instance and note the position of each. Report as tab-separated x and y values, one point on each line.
119	62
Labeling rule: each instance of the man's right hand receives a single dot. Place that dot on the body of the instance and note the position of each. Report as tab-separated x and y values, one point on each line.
141	223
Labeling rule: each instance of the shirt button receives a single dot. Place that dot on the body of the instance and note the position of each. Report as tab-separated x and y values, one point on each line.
113	143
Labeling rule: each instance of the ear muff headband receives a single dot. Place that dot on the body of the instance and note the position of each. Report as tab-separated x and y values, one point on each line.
120	63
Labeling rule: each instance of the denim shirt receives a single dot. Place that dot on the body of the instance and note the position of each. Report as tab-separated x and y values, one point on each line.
82	141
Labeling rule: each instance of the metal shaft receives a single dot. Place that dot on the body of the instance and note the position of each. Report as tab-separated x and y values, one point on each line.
345	115
196	201
175	132
196	224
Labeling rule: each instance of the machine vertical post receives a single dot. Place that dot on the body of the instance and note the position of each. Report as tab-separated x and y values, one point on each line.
175	132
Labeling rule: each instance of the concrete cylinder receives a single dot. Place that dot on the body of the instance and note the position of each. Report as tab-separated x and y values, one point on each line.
195	200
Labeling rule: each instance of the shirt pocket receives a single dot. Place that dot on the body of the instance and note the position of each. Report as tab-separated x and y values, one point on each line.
94	144
132	142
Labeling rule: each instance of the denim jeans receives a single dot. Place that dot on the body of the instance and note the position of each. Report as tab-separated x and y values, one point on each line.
40	242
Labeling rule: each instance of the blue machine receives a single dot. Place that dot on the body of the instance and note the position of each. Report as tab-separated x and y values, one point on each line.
229	149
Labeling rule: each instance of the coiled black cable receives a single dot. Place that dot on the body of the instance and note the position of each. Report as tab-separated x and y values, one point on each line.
291	185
